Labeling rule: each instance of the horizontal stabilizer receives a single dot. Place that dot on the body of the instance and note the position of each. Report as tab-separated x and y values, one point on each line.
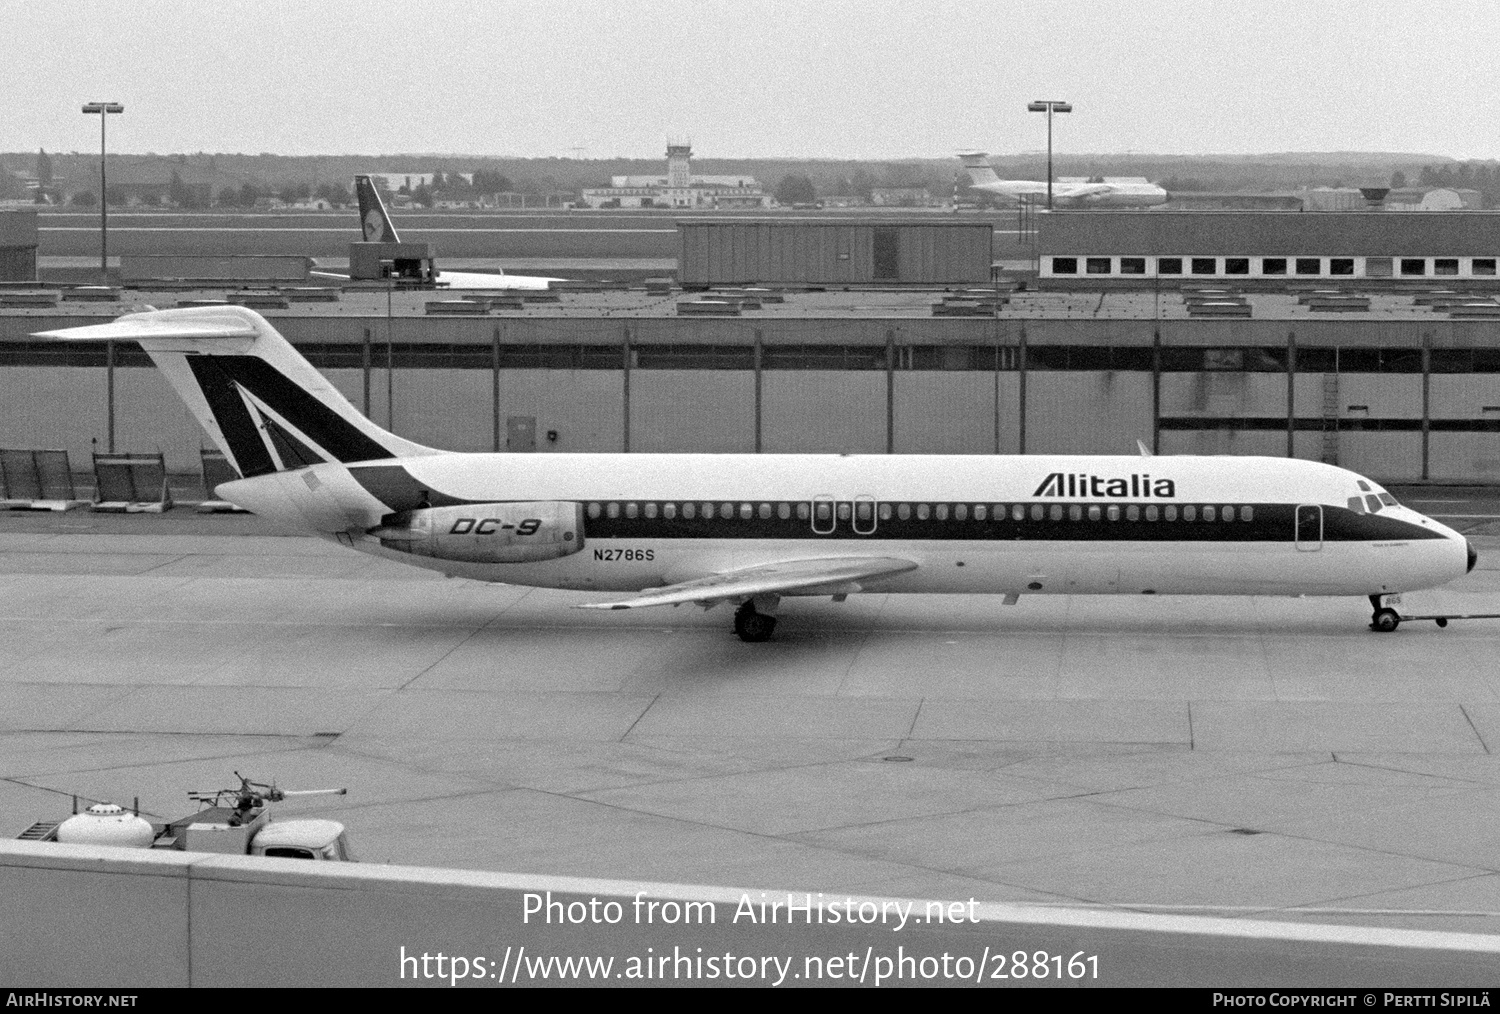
783	578
135	328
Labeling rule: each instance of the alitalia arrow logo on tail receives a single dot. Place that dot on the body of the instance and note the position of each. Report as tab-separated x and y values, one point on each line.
1136	486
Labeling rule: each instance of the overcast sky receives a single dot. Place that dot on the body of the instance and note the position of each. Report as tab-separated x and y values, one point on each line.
752	78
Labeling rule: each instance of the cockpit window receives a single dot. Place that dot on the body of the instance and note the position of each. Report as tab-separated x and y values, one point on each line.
1388	500
1373	502
1363	485
1357	504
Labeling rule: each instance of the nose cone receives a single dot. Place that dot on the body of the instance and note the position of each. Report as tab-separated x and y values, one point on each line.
1473	556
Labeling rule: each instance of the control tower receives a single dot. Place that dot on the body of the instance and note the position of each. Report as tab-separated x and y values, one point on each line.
679	174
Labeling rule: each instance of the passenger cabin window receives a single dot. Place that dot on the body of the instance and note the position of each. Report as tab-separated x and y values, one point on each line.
1413	266
1112	512
1247	513
1228	513
1036	512
1190	513
823	510
1209	514
1169	265
843	511
1482	266
923	512
651	510
1205	265
1065	265
1445	266
784	511
1132	513
1151	512
1309	266
594	510
612	510
980	513
864	511
803	512
1132	265
1236	265
1345	266
669	511
631	510
885	512
1273	265
765	512
1075	512
1097	265
1018	513
1055	512
747	511
903	511
1170	512
961	512
1094	513
690	511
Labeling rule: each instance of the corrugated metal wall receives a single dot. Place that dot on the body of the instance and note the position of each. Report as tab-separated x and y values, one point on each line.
745	252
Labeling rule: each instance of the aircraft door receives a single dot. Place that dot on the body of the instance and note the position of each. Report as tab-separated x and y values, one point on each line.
1309	534
823	520
864	515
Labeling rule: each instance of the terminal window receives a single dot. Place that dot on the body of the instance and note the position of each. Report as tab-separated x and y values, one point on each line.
1445	266
1345	266
1097	265
1204	265
1169	265
1483	266
1132	265
1065	265
1413	266
1309	266
1236	265
1377	267
1273	265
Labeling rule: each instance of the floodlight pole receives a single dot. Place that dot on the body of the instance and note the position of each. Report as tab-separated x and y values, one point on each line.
1049	106
103	109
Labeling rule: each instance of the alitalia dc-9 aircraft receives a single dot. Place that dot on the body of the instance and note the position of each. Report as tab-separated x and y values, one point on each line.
750	530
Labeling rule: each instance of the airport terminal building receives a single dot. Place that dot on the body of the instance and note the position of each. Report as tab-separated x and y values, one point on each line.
1268	247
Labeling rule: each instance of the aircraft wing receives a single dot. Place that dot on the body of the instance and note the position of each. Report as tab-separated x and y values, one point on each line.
1079	190
837	575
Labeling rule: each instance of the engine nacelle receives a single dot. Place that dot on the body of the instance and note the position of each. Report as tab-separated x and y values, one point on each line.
487	532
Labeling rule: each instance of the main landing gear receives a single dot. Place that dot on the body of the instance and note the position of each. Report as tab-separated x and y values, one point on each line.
752	625
1385	619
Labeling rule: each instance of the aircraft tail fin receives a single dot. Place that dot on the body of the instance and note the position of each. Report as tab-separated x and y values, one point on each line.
261	402
372	215
977	165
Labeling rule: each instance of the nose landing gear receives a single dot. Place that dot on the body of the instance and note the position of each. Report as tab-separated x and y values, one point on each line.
1384	619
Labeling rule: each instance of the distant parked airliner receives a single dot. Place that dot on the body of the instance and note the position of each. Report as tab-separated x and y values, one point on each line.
377	227
1107	192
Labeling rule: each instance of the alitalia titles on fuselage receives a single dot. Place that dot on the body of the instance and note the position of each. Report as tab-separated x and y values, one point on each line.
1081	484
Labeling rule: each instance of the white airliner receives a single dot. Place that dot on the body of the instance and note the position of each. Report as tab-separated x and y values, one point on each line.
378	229
752	529
1107	192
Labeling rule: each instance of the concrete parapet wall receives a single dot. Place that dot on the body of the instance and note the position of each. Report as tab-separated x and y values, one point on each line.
81	916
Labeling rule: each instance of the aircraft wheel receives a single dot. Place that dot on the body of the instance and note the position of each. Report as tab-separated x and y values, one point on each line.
1385	620
752	626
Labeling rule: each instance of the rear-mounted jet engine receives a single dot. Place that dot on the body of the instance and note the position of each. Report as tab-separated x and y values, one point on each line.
486	532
